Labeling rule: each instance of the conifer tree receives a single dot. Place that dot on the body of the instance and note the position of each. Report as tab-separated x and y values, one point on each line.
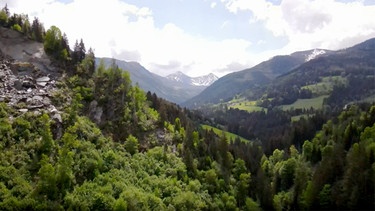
37	30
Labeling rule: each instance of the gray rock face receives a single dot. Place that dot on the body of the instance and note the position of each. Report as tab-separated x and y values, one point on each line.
27	78
27	53
43	79
17	85
95	112
25	92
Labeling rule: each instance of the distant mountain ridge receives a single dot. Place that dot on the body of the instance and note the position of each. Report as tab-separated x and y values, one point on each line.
344	76
178	88
226	87
280	75
205	80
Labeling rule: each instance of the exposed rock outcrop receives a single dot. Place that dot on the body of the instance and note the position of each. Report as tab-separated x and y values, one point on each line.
26	52
25	88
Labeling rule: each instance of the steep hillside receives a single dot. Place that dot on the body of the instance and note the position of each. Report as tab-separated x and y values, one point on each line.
228	86
346	76
176	91
22	49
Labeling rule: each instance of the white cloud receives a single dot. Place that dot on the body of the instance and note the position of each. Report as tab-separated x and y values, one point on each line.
117	29
311	23
125	31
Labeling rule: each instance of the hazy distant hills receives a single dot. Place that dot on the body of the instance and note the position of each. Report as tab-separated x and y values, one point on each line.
176	87
238	82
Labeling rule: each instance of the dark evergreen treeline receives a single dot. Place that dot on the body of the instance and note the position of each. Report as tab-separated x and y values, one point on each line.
119	148
317	174
273	129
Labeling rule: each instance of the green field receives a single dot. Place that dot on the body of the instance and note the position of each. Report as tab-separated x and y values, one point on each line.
316	103
242	104
230	136
326	85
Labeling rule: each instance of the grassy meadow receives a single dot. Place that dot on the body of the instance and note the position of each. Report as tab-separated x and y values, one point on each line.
230	136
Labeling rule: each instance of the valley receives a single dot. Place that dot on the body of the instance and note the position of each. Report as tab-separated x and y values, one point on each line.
176	88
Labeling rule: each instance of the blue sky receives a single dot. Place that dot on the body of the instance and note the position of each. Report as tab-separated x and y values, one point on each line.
202	36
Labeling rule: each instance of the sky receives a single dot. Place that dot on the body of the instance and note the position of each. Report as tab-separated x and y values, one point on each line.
198	37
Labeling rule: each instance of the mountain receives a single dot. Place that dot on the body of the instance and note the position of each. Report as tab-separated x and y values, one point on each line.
226	87
176	88
205	80
337	77
310	54
343	76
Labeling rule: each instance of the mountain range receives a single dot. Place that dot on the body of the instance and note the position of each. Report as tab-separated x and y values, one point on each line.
282	76
251	83
228	86
177	87
274	74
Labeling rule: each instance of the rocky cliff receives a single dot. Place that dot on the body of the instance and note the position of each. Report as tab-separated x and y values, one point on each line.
27	77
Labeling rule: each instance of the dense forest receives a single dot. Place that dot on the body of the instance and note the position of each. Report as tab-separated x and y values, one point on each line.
119	148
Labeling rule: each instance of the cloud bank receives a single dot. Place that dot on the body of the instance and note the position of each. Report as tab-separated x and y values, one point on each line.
311	23
114	28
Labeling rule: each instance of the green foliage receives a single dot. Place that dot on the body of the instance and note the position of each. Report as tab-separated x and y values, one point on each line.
26	27
325	196
283	201
52	40
287	173
55	45
4	16
46	186
86	170
124	106
6	132
48	144
79	52
251	205
37	30
188	201
16	27
131	145
21	129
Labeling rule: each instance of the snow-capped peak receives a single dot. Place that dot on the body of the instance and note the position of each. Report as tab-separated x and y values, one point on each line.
205	80
314	54
179	77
